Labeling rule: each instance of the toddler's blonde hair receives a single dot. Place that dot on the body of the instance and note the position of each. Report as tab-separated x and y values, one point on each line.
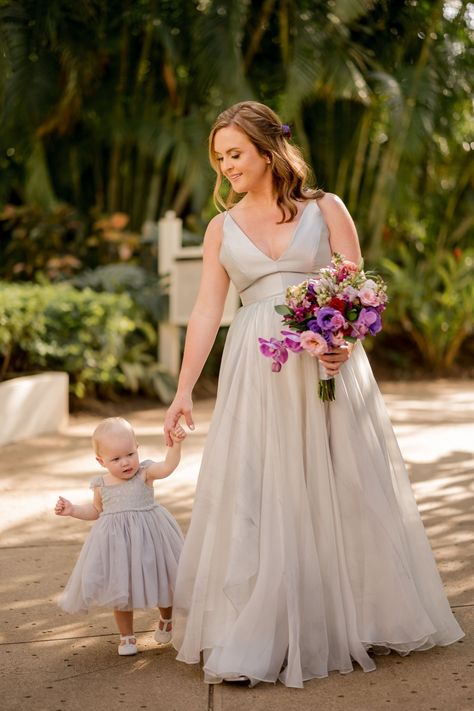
106	427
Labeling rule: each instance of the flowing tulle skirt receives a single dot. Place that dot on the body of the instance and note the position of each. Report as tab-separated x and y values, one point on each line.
306	548
129	561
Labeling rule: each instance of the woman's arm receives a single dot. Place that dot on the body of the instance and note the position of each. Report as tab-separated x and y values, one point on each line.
342	230
202	328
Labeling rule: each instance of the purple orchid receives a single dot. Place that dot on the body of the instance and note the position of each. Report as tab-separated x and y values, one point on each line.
272	348
292	341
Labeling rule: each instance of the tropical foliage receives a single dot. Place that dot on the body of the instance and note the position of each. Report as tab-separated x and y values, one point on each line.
106	106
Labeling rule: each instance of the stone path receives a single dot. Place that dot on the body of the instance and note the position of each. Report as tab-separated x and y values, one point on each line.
50	661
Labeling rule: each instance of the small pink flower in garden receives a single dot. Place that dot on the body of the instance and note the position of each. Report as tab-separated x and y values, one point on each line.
313	343
119	220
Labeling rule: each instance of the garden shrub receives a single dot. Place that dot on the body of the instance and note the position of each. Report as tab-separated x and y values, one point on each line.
148	290
432	301
103	341
56	244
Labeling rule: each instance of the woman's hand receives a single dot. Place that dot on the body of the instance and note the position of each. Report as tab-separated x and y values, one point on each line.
181	406
333	360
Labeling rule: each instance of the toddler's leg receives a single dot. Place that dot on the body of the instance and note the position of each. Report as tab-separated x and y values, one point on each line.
124	620
128	643
166	612
163	633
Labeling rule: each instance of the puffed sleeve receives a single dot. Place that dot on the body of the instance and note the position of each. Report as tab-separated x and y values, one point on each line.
145	464
96	481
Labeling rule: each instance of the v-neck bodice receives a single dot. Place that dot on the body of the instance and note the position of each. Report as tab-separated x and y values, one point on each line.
257	276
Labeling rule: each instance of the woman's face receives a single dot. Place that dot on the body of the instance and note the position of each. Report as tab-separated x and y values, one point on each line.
239	160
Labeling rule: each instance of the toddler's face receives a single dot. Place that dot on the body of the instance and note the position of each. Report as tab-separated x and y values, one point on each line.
119	455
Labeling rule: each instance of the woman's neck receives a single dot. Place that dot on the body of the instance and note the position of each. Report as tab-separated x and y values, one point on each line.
264	198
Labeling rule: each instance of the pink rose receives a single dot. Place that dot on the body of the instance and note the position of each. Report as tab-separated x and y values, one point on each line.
368	295
313	343
350	266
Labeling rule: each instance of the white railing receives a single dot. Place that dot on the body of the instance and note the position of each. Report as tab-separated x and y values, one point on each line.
183	266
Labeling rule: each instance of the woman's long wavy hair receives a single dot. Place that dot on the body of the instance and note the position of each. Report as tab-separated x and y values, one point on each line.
264	128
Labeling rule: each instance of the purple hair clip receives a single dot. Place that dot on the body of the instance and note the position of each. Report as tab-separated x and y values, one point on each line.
286	130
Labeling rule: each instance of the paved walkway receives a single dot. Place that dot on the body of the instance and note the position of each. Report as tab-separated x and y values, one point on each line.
50	661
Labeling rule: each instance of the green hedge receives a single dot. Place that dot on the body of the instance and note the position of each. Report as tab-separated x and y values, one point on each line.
431	300
104	341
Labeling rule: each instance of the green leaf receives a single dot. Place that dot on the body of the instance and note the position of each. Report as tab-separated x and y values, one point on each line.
283	310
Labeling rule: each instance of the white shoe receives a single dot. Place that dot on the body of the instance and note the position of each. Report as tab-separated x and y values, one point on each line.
236	678
164	636
129	647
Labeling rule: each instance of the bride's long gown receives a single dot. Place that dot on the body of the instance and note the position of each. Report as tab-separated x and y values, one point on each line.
305	547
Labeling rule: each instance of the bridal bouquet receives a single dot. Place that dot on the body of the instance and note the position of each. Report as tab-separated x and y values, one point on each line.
341	303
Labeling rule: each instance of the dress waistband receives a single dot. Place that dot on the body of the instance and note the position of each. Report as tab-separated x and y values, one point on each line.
150	507
270	285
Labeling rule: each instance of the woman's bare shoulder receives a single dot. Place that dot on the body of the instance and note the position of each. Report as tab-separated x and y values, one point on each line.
214	230
332	205
334	211
342	230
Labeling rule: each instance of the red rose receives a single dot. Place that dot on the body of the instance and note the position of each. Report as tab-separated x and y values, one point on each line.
338	304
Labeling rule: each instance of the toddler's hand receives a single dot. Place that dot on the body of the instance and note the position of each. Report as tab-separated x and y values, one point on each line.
178	434
63	507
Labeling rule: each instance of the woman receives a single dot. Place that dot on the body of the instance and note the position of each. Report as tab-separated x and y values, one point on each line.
305	549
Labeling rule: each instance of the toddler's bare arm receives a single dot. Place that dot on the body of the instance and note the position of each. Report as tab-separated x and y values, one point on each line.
84	512
160	470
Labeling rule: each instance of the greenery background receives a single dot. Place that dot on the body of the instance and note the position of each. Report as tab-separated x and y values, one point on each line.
105	112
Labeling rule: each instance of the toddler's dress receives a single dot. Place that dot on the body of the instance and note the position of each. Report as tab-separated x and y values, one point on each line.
130	558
